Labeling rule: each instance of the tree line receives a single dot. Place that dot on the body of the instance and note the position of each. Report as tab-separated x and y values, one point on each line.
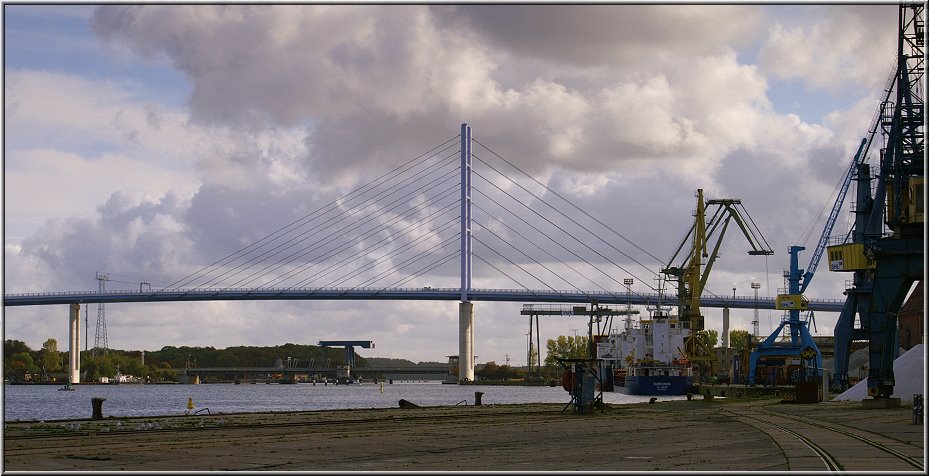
160	366
19	360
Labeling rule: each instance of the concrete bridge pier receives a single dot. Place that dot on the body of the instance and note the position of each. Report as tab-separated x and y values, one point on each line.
74	344
465	341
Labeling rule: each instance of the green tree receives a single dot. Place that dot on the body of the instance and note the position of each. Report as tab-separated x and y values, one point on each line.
164	373
739	339
492	371
565	347
49	357
13	346
488	371
19	364
712	337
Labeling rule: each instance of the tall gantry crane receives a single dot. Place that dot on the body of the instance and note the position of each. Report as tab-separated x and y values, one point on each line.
691	276
885	252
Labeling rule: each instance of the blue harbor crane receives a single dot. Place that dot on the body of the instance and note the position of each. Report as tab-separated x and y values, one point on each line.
772	351
886	250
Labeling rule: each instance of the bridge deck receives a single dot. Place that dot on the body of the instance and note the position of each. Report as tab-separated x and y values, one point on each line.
408	294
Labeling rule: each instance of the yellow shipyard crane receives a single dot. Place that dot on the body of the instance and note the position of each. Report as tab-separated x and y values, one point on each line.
691	275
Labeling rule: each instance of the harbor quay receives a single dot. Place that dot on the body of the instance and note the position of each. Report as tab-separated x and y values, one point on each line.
718	434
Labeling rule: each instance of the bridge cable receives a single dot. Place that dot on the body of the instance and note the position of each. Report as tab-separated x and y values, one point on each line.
428	219
515	264
552	240
348	243
570	203
335	234
426	269
559	227
569	218
535	244
332	237
531	258
488	263
335	219
359	191
402	264
406	246
396	171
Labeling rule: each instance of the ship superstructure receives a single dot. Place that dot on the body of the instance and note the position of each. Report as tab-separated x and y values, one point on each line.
647	356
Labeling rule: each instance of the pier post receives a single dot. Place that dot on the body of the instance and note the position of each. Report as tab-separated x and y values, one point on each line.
74	345
465	341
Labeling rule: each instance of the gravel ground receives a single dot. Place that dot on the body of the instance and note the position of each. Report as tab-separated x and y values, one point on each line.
665	436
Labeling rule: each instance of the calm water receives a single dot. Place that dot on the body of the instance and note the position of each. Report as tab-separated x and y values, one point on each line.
45	402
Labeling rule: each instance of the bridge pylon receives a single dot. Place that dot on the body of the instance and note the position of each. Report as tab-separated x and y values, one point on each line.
74	344
465	307
465	341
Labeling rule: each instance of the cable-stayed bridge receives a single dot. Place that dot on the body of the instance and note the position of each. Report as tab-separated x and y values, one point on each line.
411	234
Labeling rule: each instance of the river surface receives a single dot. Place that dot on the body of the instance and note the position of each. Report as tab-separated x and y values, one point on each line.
46	402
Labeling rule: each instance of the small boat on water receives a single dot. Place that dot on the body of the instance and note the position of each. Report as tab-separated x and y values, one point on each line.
67	387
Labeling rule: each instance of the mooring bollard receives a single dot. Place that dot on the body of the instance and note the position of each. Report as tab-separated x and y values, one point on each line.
918	409
97	403
477	397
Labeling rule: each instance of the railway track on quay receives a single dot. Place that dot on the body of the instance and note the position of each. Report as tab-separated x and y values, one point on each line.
852	439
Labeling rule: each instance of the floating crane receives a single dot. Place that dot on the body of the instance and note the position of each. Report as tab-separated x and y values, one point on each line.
691	277
885	252
794	301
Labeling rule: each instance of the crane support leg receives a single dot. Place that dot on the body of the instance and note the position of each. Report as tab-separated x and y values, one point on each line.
845	333
899	264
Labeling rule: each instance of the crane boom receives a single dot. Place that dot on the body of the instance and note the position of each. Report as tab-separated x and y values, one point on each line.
840	199
833	215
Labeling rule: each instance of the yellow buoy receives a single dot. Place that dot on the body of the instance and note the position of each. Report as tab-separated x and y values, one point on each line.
190	403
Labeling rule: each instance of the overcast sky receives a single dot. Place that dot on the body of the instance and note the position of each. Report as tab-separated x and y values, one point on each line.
147	141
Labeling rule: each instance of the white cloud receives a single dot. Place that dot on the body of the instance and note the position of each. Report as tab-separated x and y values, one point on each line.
625	110
851	47
77	186
433	72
